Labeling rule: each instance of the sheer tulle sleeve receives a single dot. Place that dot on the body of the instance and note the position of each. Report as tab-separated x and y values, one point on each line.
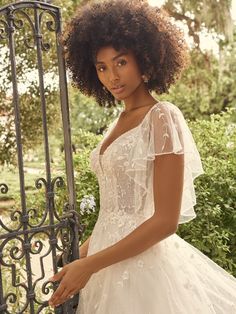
165	131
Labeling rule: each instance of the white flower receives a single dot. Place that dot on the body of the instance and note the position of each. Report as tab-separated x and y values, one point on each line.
87	204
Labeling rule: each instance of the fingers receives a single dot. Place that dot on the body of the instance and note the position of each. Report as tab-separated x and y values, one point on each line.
61	290
58	276
66	295
61	297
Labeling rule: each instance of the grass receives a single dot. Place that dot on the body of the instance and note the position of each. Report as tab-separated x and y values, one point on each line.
11	178
34	168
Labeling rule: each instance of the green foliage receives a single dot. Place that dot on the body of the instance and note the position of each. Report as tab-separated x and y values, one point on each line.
86	181
30	119
214	228
202	15
88	115
7	143
31	123
206	87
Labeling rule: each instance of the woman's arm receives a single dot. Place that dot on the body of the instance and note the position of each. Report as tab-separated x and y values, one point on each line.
83	249
167	188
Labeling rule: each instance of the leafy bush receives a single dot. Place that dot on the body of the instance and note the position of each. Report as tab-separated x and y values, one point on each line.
207	86
86	181
213	229
88	115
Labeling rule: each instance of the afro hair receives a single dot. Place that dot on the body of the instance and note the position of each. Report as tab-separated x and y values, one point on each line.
157	43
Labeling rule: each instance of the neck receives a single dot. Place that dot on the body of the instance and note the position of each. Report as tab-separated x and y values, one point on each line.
141	97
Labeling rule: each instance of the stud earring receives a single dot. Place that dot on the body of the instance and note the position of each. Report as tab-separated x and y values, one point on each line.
145	79
104	88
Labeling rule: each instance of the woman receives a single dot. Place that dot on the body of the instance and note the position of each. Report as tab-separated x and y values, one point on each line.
145	164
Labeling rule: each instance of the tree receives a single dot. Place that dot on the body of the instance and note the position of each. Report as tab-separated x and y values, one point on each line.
206	87
213	16
28	81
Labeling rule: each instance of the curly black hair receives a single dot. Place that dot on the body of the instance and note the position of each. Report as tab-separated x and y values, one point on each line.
157	43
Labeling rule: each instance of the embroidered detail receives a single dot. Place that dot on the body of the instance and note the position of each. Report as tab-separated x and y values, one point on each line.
125	275
140	263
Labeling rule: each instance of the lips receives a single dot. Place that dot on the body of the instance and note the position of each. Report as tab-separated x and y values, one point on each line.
118	89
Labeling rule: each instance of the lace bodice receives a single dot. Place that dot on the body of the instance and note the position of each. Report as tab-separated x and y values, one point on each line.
125	170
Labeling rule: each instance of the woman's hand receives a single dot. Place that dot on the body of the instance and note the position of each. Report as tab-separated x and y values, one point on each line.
73	277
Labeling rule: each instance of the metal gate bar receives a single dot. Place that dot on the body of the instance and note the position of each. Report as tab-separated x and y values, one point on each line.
67	225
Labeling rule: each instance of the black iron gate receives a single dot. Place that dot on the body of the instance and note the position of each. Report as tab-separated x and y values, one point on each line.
60	228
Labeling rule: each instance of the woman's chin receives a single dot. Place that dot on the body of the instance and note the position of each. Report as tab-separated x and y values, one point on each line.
120	98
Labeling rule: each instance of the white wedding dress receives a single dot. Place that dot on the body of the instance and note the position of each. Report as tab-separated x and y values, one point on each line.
171	277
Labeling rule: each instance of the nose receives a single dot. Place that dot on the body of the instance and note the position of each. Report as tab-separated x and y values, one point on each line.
113	75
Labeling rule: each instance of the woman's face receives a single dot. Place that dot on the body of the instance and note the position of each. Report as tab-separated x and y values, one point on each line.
118	71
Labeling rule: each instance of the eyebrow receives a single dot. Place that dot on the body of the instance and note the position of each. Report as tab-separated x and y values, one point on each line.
114	58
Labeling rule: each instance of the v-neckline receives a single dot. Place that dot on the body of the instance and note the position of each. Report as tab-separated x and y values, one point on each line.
122	134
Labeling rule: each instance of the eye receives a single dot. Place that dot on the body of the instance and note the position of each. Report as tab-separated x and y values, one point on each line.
101	69
121	62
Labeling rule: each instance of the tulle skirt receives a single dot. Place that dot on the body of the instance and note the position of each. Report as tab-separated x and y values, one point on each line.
172	277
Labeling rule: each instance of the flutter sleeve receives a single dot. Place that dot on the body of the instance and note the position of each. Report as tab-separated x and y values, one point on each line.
166	132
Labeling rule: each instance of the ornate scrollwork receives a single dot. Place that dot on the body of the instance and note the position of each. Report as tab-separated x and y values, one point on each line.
66	237
39	245
52	26
19	24
14	217
4	30
65	245
36	246
57	182
13	299
39	183
46	287
14	252
3	188
33	215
